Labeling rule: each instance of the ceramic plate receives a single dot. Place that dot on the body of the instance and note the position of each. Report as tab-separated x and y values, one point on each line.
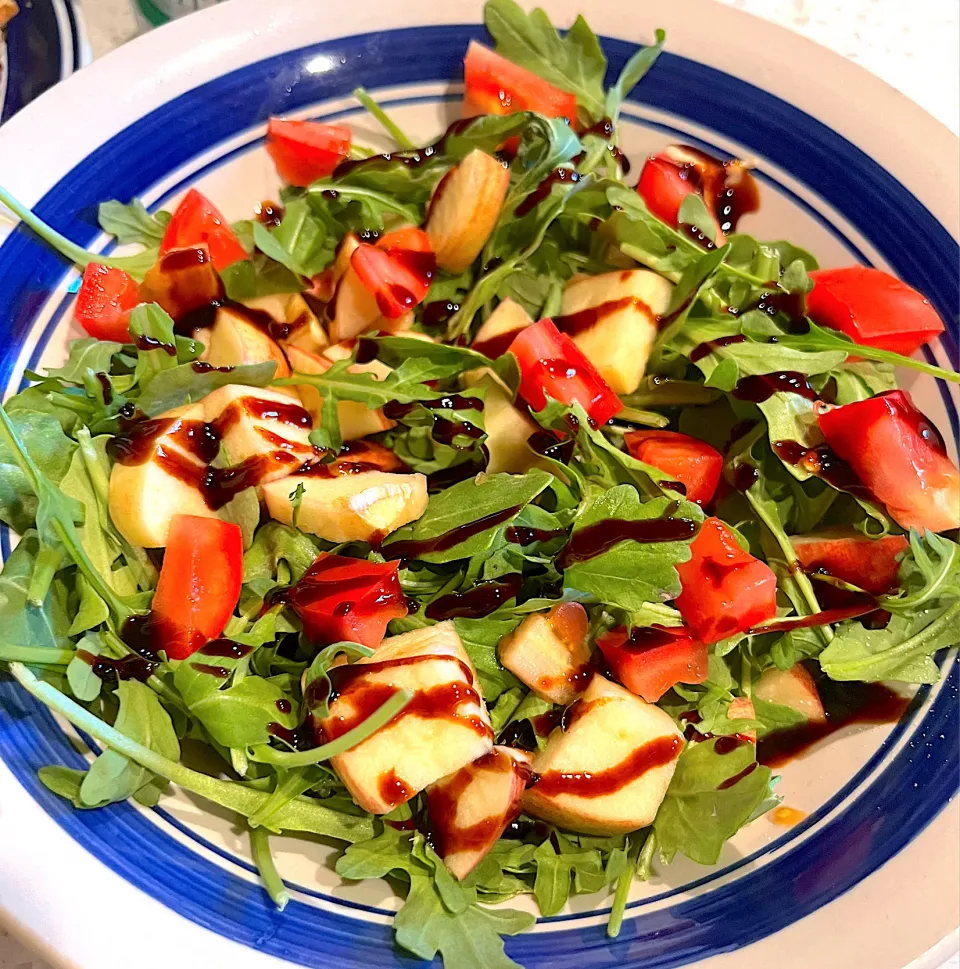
850	170
45	43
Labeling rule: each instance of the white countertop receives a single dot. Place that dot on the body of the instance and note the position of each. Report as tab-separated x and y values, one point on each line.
914	46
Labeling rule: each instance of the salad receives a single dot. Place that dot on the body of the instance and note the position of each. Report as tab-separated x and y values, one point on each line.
500	518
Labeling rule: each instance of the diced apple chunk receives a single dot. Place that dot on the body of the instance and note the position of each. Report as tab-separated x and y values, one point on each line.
350	507
254	421
144	496
612	318
495	334
608	771
472	807
292	310
741	708
445	726
356	419
234	340
549	652
354	306
465	208
794	688
508	429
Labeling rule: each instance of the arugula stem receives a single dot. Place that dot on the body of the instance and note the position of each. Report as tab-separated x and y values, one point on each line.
394	130
45	566
38	655
302	814
290	784
622	893
409	213
648	417
263	859
265	754
786	546
645	861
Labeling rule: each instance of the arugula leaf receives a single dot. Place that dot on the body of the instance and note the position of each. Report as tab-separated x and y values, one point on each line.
142	718
928	572
151	322
258	276
902	651
466	503
87	353
574	62
631	75
699	814
301	242
240	715
480	638
186	384
132	223
23	623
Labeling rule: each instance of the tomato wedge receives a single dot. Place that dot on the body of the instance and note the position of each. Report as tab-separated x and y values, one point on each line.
693	463
304	151
664	185
552	365
873	308
182	280
870	563
199	584
651	659
340	599
899	455
397	270
196	222
106	297
726	590
495	85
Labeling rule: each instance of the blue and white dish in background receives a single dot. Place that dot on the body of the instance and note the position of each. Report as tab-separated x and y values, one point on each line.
868	879
44	43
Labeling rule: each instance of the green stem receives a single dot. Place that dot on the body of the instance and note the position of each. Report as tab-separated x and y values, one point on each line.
395	132
118	648
408	212
797	573
45	566
38	655
647	417
645	861
302	814
265	754
263	859
622	893
290	784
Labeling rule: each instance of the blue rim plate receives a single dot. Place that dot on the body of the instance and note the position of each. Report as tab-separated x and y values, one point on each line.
45	43
218	118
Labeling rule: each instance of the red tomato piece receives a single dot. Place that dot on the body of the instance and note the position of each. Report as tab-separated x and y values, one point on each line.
693	463
495	85
873	308
899	455
182	280
652	659
870	563
397	270
104	302
304	151
552	365
726	590
199	584
197	222
340	599
664	185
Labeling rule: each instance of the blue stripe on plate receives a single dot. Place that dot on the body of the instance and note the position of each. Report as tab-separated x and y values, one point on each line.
911	790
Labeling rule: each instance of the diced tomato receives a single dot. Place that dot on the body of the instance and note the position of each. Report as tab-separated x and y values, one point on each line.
725	589
870	563
899	455
340	599
196	222
104	302
664	185
693	463
495	85
873	308
552	365
397	270
181	281
304	151
652	659
199	584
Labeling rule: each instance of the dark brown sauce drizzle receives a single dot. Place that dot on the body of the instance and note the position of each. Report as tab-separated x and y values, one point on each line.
436	314
522	535
481	600
826	464
496	346
703	349
557	176
413	548
593	540
547	444
125	668
269	214
220	672
226	649
575	323
762	387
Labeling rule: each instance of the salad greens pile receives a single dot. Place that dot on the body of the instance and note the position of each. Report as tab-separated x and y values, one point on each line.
70	587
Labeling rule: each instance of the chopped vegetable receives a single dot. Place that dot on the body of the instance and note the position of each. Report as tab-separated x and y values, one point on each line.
305	151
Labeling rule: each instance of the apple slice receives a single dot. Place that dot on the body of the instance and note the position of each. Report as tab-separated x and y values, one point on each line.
471	808
158	475
794	688
508	428
255	421
444	727
354	308
613	319
741	708
234	340
363	507
356	419
494	337
465	208
549	652
608	770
